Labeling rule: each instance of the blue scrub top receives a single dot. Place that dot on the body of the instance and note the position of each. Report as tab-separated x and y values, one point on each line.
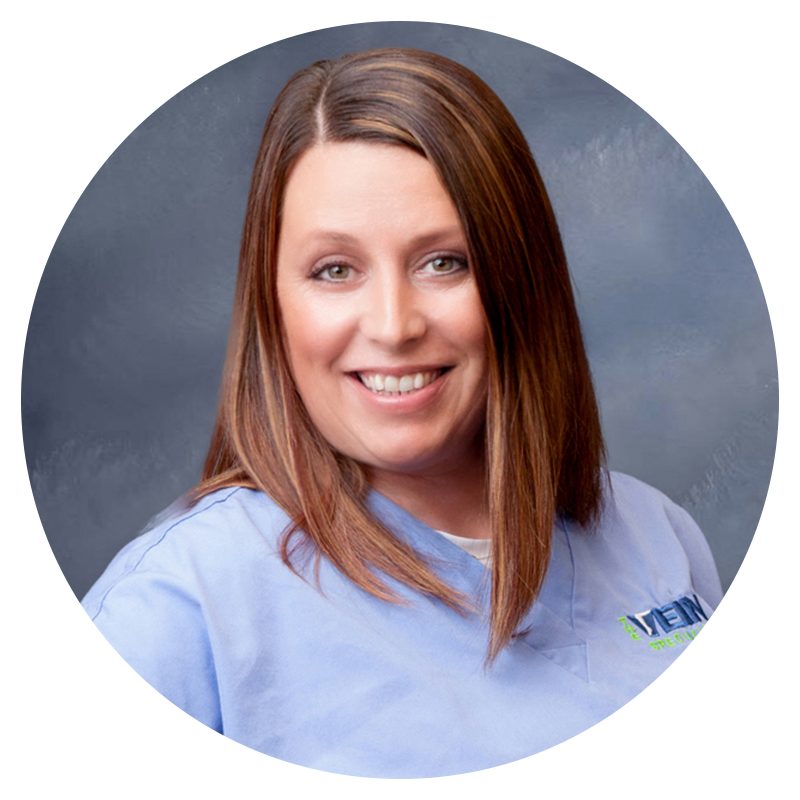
204	609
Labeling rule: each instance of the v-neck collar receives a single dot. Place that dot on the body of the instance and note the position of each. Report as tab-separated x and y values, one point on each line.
547	627
461	571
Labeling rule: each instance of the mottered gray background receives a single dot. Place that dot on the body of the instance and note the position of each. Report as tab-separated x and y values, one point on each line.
128	331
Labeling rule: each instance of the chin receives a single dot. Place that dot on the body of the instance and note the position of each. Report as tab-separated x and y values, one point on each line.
406	461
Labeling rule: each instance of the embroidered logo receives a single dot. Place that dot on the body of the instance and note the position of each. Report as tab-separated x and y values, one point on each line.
686	613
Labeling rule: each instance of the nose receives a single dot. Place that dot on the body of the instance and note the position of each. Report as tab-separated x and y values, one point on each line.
396	313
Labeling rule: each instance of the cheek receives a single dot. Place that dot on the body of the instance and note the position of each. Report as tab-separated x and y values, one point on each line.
466	321
475	333
314	340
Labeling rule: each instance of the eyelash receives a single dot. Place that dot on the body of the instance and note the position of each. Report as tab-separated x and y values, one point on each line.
460	261
317	273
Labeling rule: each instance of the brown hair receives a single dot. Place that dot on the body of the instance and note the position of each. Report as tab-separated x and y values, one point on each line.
544	445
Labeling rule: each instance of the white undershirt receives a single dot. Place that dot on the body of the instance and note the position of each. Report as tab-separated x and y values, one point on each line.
477	548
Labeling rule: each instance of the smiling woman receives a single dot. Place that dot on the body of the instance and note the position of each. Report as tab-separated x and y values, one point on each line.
406	378
384	325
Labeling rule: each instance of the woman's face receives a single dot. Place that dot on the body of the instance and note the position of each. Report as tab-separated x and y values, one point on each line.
383	324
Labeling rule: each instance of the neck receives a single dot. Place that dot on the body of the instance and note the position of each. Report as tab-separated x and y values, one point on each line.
451	499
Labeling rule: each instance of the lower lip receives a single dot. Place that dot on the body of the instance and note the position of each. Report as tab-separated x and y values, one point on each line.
401	403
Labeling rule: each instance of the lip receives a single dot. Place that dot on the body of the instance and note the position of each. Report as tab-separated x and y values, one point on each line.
405	403
406	369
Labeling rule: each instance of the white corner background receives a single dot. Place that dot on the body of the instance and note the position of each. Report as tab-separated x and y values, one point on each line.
78	77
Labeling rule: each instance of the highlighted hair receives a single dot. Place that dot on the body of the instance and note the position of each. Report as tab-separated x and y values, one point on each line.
544	445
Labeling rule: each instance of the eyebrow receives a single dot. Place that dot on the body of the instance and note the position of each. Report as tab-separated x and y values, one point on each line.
332	236
416	242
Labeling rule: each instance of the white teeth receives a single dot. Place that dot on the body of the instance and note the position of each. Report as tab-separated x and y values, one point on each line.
394	385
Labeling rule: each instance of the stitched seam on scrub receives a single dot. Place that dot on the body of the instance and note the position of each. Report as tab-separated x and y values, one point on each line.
156	543
572	561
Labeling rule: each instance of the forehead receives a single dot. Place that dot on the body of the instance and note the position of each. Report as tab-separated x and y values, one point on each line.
347	187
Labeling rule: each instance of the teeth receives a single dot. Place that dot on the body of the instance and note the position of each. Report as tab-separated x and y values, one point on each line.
394	385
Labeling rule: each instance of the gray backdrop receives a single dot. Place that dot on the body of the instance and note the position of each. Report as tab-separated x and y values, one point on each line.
128	331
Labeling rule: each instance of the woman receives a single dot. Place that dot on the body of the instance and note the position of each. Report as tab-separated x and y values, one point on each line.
406	382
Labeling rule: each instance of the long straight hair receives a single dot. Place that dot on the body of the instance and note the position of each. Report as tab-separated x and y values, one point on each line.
544	446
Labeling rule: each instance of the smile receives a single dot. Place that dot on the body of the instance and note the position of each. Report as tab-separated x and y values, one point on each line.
398	384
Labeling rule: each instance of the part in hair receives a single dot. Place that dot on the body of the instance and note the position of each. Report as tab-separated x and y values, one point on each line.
544	446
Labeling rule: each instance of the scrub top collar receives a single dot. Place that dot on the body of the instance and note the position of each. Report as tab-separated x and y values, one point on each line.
542	628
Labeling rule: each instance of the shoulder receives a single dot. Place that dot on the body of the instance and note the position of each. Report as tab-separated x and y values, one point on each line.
628	492
630	500
643	521
187	544
160	600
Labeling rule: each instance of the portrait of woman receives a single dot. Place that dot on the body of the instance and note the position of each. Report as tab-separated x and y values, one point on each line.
406	556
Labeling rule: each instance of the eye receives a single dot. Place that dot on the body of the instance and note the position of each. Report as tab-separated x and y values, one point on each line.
443	265
333	272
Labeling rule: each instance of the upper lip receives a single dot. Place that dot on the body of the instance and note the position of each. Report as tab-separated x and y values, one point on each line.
411	369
